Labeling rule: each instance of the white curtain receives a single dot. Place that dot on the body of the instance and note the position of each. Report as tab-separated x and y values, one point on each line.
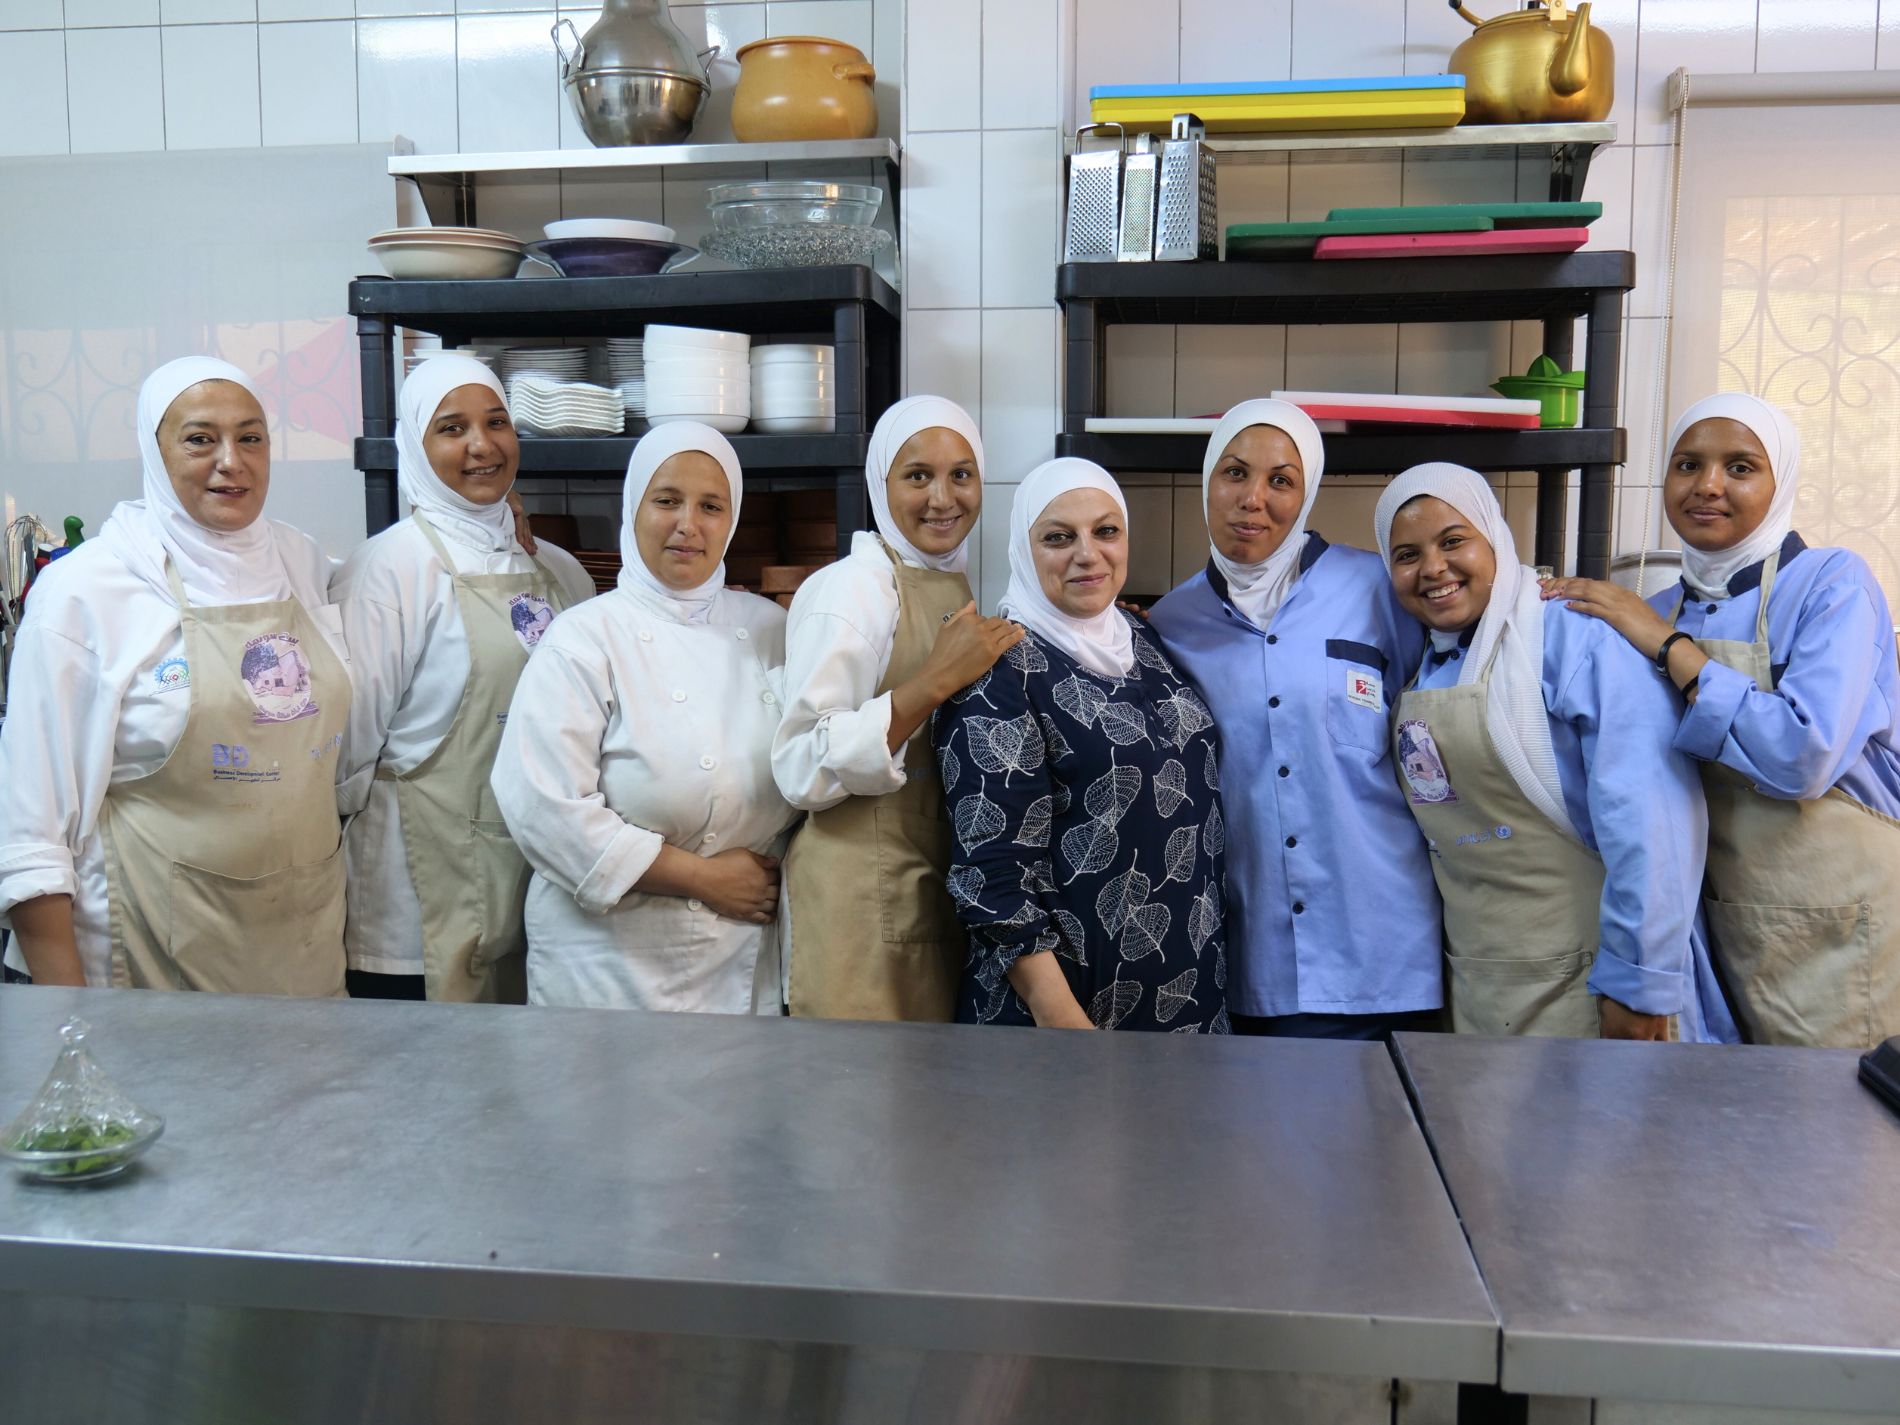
1788	286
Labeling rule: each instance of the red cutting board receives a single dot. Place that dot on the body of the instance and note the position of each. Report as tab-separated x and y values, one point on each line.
1452	244
1422	416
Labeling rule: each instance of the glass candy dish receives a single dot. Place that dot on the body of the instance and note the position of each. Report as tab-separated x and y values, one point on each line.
79	1127
791	246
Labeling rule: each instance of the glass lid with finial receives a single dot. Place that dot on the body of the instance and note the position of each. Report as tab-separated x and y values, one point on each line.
80	1126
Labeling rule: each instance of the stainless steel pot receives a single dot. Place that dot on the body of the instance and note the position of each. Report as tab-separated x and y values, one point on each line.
633	78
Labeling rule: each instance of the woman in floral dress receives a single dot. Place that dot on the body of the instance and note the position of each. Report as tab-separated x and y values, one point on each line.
1080	775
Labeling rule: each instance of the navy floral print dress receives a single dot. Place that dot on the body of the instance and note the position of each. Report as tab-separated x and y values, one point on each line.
1086	819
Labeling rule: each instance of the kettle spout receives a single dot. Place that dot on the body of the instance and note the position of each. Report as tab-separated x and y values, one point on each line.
1570	66
1458	5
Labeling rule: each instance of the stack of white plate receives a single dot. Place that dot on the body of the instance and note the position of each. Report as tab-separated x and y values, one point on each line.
563	363
698	375
794	389
545	406
626	366
485	355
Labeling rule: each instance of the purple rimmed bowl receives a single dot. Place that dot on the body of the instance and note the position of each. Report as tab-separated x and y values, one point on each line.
610	257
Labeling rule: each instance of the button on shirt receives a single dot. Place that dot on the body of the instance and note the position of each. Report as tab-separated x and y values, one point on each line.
1634	802
1305	845
1833	718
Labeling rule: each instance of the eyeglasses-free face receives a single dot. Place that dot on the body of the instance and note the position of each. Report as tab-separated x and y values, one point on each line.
1443	570
472	445
1719	485
216	449
1080	546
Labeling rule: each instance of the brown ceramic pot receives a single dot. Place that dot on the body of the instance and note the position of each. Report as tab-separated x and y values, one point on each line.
803	87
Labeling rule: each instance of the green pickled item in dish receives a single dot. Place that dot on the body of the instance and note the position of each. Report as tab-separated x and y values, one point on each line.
98	1139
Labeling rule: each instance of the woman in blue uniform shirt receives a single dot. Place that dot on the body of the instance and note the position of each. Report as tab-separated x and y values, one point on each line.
1791	708
1300	649
1568	861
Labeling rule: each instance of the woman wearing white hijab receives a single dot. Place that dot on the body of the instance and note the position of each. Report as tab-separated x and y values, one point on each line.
441	611
1301	650
1566	836
1081	776
874	645
1785	657
635	771
179	692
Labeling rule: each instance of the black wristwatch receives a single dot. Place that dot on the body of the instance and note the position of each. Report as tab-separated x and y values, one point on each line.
1662	653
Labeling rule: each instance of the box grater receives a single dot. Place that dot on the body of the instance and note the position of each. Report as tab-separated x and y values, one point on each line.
1095	191
1187	222
1141	175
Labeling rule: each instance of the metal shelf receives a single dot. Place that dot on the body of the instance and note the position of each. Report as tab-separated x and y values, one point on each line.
760	302
607	455
1518	287
1384	452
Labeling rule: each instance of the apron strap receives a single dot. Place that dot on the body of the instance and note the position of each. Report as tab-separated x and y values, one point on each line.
442	553
1768	569
177	584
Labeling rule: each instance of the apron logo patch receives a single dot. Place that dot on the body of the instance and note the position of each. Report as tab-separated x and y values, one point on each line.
1364	689
1423	768
171	675
530	617
277	676
231	762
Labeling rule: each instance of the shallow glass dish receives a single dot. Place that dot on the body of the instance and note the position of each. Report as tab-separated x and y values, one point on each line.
113	1147
739	206
807	246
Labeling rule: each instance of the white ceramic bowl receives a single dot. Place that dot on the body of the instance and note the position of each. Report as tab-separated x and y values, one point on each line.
794	425
608	228
724	424
464	262
802	386
705	391
661	335
789	410
700	362
686	405
493	236
793	354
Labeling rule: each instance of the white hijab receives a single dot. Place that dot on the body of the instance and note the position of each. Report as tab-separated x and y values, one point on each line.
245	566
894	427
1708	574
487	528
1258	590
1512	625
656	447
1102	644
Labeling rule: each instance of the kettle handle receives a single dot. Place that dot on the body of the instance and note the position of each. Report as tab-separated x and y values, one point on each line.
568	66
1459	6
708	55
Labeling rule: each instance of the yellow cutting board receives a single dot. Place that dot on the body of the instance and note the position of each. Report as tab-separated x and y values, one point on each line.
1270	113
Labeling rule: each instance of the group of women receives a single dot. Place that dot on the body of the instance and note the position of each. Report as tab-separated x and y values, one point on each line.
1315	792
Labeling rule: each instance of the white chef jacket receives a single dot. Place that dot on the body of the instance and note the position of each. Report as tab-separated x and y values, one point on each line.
630	730
834	740
410	667
99	694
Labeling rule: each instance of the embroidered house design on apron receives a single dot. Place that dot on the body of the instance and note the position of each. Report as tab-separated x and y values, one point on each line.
1801	895
1521	897
874	934
224	868
471	881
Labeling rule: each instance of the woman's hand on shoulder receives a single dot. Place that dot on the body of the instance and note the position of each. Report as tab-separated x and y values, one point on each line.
968	646
1622	609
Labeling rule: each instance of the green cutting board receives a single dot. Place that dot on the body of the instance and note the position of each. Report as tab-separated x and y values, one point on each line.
1503	215
1289	242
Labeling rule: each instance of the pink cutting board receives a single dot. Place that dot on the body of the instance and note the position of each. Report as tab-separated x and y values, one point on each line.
1421	416
1453	244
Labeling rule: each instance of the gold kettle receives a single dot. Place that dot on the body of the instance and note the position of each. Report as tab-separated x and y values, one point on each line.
1548	65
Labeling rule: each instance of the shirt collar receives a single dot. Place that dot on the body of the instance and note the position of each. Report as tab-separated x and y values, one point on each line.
1309	556
1750	578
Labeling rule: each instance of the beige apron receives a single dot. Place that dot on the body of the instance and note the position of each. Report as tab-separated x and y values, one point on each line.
471	882
874	935
1800	895
1521	898
224	868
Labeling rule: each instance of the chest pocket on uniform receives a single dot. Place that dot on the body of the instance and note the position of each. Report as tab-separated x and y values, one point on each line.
1356	713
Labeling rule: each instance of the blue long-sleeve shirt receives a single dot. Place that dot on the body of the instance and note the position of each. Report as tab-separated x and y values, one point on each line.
1833	718
1331	906
1634	800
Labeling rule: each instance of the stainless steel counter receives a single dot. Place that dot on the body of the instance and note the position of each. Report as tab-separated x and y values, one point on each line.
1253	1205
1675	1223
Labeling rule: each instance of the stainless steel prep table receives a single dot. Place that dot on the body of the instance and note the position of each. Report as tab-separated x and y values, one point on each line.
1665	1222
1254	1206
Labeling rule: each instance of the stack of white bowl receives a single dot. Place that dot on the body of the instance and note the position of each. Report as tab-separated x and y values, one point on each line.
697	375
626	366
794	389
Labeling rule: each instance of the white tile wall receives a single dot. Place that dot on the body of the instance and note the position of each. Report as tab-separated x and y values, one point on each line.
943	65
1795	35
943	220
114	90
307	80
946	356
1021	205
405	81
210	74
1229	43
1020	42
1713	36
1347	37
1019	390
507	82
83	14
306	9
32	15
33	100
206	12
1889	39
846	20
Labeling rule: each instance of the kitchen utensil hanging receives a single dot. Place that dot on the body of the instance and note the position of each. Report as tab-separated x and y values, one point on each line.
1187	225
1095	190
1141	178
